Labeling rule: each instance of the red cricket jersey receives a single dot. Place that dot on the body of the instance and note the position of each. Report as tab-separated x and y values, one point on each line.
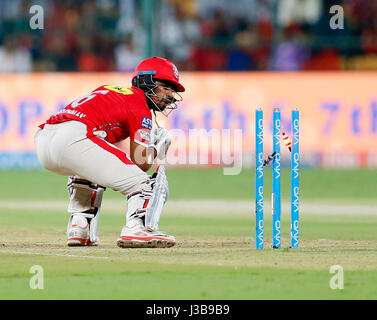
119	112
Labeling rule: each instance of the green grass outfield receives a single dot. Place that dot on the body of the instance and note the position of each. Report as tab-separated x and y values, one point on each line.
212	217
319	185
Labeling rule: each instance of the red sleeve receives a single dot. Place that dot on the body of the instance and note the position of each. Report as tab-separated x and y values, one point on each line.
140	125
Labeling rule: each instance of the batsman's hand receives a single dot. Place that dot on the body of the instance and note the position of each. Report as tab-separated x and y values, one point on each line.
160	142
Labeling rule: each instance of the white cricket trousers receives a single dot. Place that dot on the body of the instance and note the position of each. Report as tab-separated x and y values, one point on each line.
65	149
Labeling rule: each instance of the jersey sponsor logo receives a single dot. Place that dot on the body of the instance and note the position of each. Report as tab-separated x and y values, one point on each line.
121	90
144	135
146	123
100	134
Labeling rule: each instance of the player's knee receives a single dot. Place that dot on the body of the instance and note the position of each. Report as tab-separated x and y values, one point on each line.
131	184
83	195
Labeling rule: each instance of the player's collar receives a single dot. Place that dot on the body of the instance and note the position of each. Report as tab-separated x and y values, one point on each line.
141	94
138	91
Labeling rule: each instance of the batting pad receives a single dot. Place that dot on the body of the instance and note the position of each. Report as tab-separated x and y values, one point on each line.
159	198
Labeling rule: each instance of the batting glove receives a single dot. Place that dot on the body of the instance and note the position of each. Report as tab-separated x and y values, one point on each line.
160	142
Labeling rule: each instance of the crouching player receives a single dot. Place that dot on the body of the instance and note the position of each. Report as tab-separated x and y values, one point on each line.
79	142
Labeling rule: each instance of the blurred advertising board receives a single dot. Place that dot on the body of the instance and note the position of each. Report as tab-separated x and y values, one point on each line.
338	114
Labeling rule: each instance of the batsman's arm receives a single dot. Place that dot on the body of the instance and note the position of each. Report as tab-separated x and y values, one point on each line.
143	155
139	156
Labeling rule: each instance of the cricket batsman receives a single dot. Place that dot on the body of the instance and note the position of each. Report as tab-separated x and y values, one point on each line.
78	142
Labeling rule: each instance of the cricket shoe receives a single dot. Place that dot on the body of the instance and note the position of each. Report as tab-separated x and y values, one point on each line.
140	237
78	232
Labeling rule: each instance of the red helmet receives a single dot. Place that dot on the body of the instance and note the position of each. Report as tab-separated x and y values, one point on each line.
162	69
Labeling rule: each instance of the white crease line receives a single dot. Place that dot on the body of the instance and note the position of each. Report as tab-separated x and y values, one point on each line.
52	254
